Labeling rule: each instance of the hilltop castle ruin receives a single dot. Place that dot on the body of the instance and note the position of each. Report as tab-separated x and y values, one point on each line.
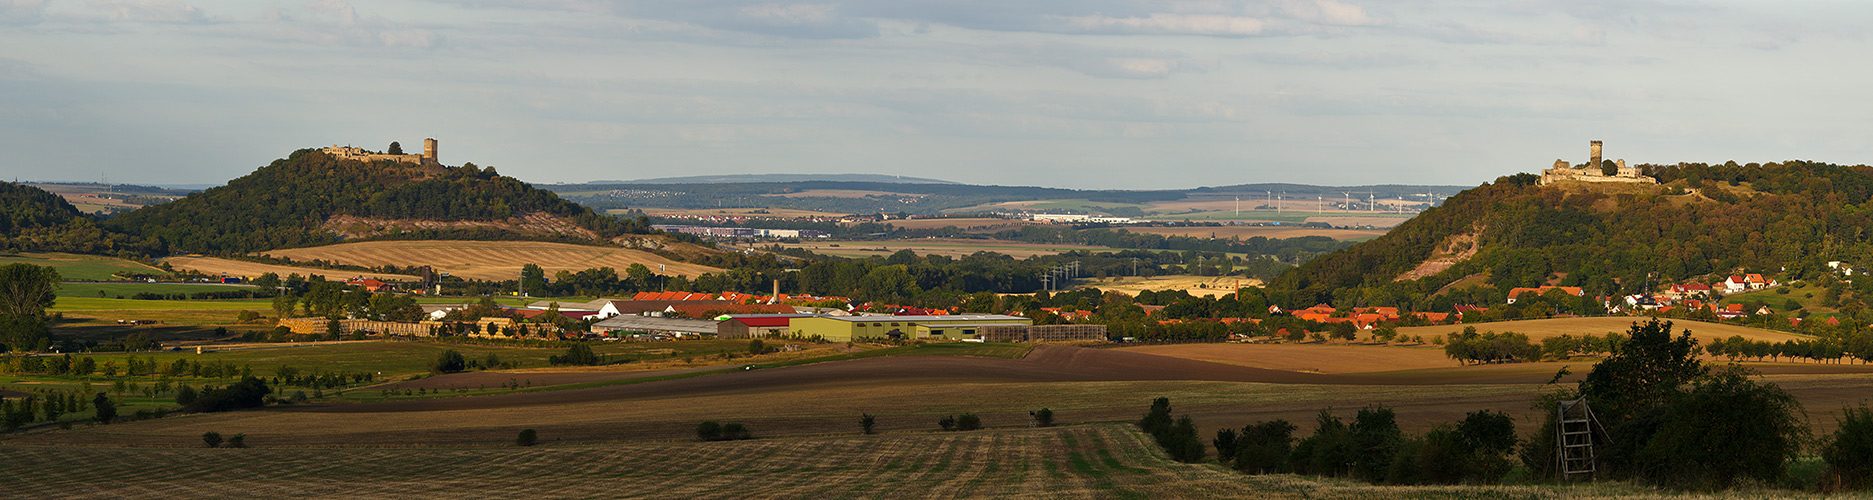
1562	171
350	153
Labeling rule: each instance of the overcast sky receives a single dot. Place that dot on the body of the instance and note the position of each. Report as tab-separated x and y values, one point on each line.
1081	93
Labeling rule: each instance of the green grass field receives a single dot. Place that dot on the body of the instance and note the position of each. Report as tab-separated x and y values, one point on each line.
127	290
81	267
94	304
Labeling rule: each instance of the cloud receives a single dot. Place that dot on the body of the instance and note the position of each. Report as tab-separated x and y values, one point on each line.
1095	61
1344	60
1168	24
335	22
151	11
22	12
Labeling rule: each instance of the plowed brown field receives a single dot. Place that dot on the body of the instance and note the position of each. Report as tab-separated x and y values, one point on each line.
1307	357
1538	329
490	260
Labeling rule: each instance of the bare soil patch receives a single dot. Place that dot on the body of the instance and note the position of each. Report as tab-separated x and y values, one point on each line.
1306	358
1454	249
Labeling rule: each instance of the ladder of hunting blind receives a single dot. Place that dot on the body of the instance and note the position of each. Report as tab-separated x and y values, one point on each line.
1574	434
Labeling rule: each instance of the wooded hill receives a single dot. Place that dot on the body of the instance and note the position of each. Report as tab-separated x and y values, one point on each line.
289	202
34	220
1702	223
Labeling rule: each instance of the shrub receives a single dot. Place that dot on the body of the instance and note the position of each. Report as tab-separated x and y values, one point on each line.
106	410
527	438
1375	437
212	439
185	395
1226	442
1044	418
968	422
1264	448
710	430
732	431
576	354
448	362
1177	437
1725	429
238	441
1326	451
948	422
866	421
1849	452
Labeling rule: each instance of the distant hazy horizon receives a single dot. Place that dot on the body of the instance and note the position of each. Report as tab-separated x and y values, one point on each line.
1103	94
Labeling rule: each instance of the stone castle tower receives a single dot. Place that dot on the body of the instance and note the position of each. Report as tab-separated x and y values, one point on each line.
1562	171
350	153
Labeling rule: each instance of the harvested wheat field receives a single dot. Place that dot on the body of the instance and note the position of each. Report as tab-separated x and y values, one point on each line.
216	267
907	394
1306	357
489	260
1082	461
1196	286
1537	329
1246	232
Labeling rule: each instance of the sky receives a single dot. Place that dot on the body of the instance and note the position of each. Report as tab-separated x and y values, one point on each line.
1092	94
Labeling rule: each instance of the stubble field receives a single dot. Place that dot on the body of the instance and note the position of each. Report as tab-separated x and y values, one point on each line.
490	260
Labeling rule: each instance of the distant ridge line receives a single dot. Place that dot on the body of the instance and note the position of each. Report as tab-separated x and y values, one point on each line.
746	178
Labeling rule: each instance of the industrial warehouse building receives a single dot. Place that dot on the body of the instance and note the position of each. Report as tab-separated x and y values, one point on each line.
1042	333
757	325
847	328
626	325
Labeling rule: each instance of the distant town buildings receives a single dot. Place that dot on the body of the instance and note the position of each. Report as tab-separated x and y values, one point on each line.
741	232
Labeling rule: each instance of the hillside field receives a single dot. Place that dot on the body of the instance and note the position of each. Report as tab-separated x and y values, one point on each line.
1538	329
224	267
489	260
82	267
1196	286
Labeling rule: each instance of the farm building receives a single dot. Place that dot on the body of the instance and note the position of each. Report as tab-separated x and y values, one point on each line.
316	326
756	325
1041	333
704	311
952	326
650	325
